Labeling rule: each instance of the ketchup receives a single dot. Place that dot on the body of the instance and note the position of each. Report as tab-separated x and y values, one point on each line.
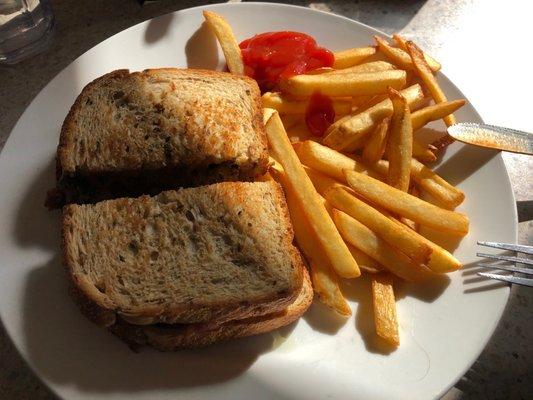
271	56
319	114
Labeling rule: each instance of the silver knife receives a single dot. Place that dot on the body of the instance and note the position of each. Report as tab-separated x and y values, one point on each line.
495	137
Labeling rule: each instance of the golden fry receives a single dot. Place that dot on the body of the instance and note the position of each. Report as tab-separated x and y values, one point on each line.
377	142
351	57
299	132
423	152
374	66
406	205
291	120
364	239
413	191
286	105
344	84
446	194
402	44
320	181
440	260
326	160
365	262
400	143
385	316
432	113
325	282
298	182
382	226
344	133
398	56
230	47
267	113
424	72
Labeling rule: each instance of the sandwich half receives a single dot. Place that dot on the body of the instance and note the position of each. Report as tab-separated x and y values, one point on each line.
218	257
137	133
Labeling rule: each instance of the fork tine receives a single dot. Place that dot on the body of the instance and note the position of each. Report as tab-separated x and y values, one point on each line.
527	271
511	279
506	246
506	258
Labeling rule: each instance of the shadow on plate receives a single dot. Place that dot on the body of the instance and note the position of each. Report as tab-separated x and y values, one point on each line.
471	158
475	283
201	49
36	226
157	28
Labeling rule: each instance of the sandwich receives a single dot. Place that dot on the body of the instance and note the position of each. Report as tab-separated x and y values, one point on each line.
137	133
188	267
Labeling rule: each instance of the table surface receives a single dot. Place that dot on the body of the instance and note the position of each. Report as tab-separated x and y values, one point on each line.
482	46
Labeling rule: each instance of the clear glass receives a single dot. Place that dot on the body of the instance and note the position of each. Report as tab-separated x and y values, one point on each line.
25	28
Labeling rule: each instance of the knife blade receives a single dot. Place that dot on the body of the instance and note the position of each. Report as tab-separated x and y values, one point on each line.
495	137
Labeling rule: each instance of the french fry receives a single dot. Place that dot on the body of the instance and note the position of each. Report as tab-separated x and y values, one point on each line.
406	205
365	262
359	102
342	135
285	105
325	282
423	152
424	72
326	160
402	44
299	132
382	226
373	66
320	181
298	182
344	84
318	71
351	57
267	113
376	143
440	260
398	56
290	120
230	47
326	286
385	316
362	238
446	194
432	113
406	221
400	143
443	141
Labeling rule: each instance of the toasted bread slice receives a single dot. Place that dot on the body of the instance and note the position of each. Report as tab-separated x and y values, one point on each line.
137	133
174	337
212	253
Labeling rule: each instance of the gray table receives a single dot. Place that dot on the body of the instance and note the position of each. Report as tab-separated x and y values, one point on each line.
484	48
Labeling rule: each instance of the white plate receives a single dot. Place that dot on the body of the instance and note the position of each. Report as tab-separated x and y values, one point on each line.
443	328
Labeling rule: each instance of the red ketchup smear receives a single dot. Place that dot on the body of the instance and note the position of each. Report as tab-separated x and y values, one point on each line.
271	56
319	114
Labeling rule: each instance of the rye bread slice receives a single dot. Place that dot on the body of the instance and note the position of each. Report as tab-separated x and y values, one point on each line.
212	253
137	133
174	337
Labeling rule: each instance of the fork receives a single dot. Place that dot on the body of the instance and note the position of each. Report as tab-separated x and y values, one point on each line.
508	278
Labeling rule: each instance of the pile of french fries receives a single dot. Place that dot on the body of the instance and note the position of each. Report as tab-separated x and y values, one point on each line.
356	195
